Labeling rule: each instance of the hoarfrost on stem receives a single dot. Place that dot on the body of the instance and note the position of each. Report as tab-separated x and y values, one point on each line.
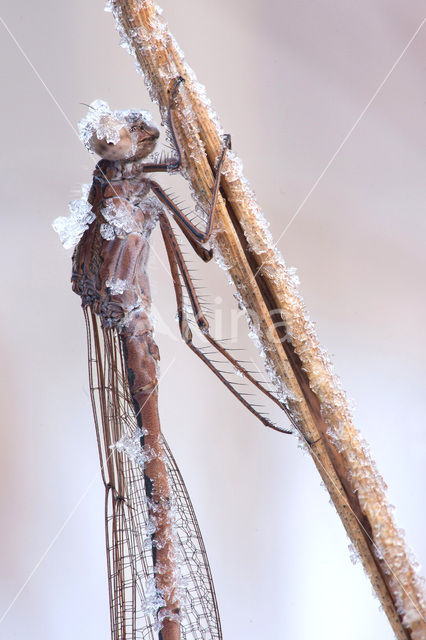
353	554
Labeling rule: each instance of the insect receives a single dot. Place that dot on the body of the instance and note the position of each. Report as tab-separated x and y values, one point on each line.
160	583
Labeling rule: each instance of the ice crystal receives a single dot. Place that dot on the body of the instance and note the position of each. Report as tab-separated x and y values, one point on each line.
131	446
72	227
107	231
153	207
99	120
153	599
119	216
106	124
117	286
170	615
353	554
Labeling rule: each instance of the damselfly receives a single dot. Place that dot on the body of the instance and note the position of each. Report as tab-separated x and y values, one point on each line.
160	584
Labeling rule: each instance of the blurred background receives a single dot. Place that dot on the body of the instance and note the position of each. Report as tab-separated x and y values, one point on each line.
288	80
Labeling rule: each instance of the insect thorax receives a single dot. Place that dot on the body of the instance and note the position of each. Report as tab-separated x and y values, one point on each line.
109	261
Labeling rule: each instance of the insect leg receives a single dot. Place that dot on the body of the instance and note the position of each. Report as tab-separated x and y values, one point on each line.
177	266
194	234
171	164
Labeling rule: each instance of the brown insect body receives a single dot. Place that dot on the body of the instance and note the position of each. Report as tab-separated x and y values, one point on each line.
100	263
154	544
110	276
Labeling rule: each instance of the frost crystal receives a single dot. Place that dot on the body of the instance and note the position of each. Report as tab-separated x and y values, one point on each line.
153	599
107	124
116	286
130	445
96	121
153	207
72	227
353	554
119	217
107	232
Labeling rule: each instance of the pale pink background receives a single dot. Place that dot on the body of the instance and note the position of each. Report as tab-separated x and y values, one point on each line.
289	79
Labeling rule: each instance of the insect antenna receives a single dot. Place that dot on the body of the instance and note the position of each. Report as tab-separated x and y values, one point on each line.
88	105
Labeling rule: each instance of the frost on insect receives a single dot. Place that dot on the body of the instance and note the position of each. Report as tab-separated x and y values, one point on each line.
165	523
107	231
72	227
117	286
153	599
100	120
130	445
104	124
119	216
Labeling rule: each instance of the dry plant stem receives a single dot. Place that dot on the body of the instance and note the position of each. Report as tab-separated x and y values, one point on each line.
292	349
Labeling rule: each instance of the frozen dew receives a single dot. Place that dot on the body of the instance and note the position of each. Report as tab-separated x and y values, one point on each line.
95	122
152	207
335	439
107	231
153	599
353	554
103	123
221	262
71	228
200	90
117	286
166	613
119	216
158	37
131	446
232	168
292	273
125	40
129	115
150	529
137	37
109	129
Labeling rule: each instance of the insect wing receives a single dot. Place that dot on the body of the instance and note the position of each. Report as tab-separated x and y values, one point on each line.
134	599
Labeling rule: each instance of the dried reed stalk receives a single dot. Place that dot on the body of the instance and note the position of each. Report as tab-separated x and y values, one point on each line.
299	366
